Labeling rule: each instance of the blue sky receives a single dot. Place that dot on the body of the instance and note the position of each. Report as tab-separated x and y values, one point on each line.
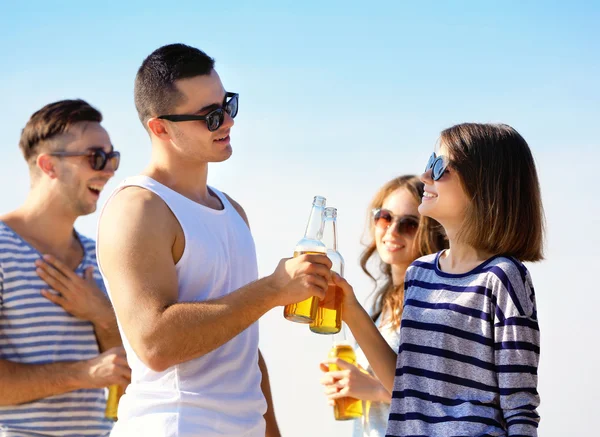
337	98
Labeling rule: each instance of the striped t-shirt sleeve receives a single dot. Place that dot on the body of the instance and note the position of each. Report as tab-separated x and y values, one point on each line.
517	347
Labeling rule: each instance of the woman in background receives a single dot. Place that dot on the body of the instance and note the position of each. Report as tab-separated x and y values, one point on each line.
398	236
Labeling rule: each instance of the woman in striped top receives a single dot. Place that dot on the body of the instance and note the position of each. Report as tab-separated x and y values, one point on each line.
469	349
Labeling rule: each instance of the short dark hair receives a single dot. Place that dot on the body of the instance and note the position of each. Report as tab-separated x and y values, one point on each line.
498	173
154	91
52	120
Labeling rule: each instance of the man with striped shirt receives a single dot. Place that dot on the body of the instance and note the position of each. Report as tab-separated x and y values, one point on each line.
59	343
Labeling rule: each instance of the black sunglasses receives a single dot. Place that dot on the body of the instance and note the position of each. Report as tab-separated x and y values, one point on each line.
437	165
98	157
214	119
405	224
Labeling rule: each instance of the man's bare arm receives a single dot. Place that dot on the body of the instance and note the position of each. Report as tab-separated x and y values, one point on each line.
20	383
265	385
138	264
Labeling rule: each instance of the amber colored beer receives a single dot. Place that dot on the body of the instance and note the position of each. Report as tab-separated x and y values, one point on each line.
306	310
345	408
112	402
328	319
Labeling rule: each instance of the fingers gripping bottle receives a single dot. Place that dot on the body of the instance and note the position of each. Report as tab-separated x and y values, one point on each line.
306	310
328	319
344	408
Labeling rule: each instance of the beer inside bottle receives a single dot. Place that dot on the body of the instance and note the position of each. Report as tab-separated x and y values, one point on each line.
328	319
112	402
306	310
344	408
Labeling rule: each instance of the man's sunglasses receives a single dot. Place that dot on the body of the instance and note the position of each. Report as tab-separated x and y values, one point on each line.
98	158
405	224
214	119
437	165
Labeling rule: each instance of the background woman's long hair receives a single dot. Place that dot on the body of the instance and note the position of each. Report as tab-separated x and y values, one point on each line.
429	238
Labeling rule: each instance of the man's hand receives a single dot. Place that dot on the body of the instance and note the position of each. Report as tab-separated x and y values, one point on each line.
297	279
106	369
79	296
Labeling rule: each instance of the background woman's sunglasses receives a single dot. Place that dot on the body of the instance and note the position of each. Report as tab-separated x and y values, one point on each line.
405	224
98	158
214	119
437	165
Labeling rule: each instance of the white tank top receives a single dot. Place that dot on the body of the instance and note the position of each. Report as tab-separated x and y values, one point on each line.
219	393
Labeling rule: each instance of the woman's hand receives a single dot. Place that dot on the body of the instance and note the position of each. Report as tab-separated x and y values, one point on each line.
350	303
351	381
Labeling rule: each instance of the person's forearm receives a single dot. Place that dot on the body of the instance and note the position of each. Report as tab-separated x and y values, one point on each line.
107	331
265	385
384	396
20	383
380	355
187	330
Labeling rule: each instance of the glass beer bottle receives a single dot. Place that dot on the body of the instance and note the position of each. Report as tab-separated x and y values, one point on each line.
115	392
305	311
328	319
344	408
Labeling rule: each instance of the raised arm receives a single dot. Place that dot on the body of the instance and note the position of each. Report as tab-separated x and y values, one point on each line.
380	355
139	266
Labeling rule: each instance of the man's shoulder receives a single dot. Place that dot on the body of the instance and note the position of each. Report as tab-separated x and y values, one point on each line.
86	241
135	198
138	207
10	241
89	245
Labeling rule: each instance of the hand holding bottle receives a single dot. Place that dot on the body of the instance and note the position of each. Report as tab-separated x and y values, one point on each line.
351	381
349	303
108	368
345	407
300	278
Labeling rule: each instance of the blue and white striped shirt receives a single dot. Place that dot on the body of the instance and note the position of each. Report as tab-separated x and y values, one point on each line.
34	330
468	357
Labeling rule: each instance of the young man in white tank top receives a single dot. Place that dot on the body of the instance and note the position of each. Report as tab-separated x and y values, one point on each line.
180	267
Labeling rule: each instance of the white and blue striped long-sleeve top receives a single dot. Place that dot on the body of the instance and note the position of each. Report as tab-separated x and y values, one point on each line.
34	330
468	357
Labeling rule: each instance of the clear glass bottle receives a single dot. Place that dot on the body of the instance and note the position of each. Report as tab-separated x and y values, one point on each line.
328	319
306	310
344	408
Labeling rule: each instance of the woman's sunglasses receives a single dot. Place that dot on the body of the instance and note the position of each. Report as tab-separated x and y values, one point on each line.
405	224
437	165
98	158
214	119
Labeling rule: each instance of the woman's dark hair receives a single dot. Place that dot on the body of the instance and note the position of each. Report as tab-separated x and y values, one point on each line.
497	171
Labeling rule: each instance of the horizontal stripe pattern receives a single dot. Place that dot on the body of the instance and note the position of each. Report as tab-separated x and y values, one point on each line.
468	357
34	330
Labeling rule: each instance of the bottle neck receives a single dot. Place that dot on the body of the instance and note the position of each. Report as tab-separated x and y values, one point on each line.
314	228
330	233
